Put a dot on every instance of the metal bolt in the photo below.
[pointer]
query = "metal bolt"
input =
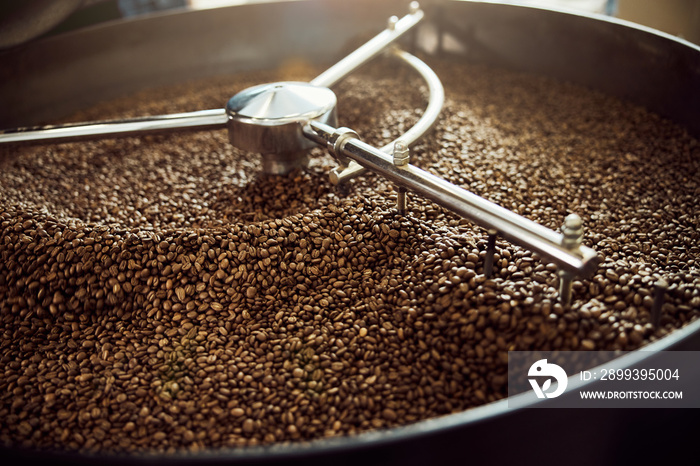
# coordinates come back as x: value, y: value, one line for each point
x: 402, y: 154
x: 391, y: 24
x: 573, y: 235
x: 572, y: 231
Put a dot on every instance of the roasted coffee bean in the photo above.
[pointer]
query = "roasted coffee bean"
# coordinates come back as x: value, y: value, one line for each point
x: 160, y: 293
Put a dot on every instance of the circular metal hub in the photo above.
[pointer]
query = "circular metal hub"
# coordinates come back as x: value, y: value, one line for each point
x: 268, y: 119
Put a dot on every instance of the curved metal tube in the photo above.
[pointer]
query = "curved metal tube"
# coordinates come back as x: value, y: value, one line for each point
x: 369, y: 50
x: 436, y: 100
x: 511, y: 226
x: 191, y: 121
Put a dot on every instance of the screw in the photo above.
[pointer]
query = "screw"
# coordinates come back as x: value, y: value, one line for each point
x: 391, y: 24
x: 413, y: 7
x: 573, y: 235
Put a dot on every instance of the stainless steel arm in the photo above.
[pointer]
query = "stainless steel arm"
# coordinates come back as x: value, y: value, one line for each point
x: 207, y: 119
x: 511, y: 226
x: 192, y: 121
x: 370, y: 49
x: 436, y: 100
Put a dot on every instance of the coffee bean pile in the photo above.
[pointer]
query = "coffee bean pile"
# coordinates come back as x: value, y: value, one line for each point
x: 160, y: 294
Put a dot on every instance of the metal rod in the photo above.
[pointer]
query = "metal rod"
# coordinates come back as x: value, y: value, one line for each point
x: 565, y: 287
x: 192, y: 121
x: 490, y: 251
x: 436, y: 100
x: 369, y: 50
x: 401, y: 200
x: 660, y: 288
x: 511, y: 226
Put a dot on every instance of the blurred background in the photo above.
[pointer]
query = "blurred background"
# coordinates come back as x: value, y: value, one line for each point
x: 23, y: 21
x: 677, y: 17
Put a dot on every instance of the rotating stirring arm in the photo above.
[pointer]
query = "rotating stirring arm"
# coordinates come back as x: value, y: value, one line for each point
x: 204, y: 120
x: 282, y: 121
x: 576, y: 260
